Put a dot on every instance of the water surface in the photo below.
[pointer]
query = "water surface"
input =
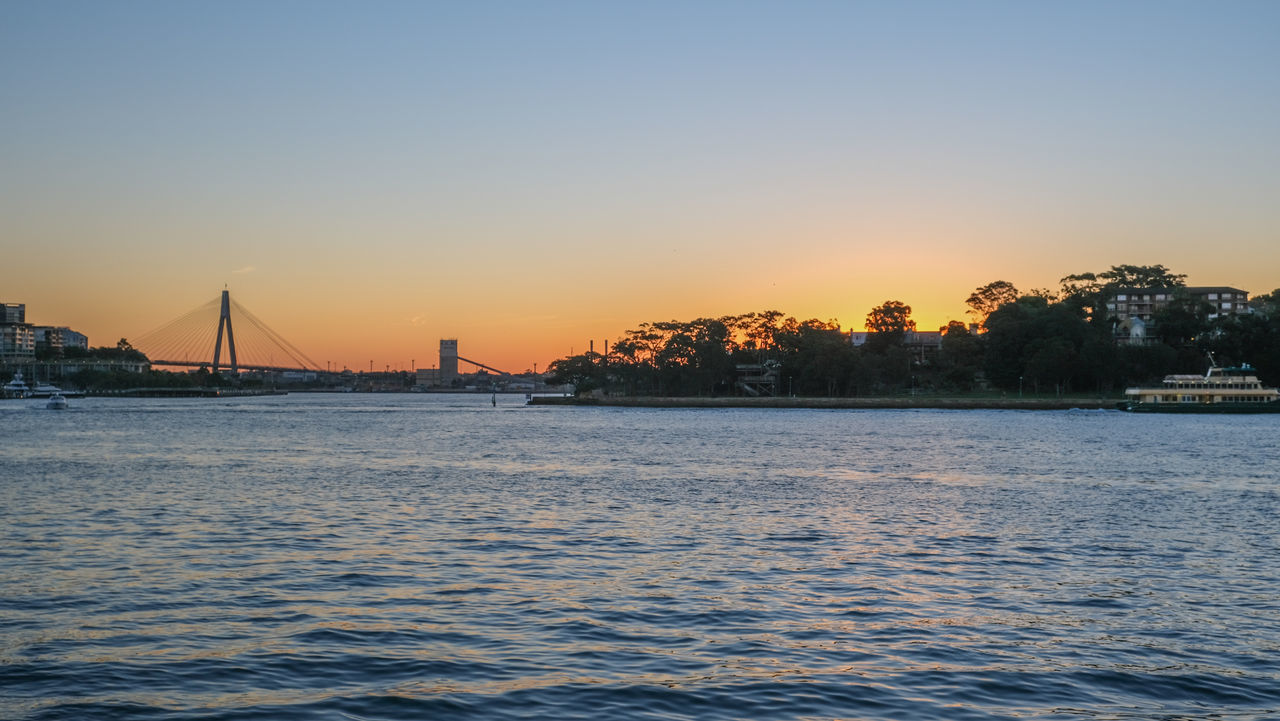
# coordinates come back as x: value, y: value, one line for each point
x: 414, y: 556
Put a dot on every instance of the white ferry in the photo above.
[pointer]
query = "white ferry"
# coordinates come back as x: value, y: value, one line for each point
x: 1221, y: 390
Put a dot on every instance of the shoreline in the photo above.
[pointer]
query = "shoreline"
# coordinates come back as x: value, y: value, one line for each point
x: 869, y: 403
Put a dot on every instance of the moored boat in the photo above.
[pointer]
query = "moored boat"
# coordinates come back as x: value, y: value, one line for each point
x: 1220, y: 390
x: 15, y: 388
x: 45, y: 390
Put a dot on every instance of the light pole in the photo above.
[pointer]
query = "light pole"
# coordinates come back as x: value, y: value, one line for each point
x: 1019, y: 386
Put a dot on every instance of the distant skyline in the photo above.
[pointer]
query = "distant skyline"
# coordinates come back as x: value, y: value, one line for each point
x: 528, y: 177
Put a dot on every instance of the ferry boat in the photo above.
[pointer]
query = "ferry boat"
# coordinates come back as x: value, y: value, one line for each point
x: 1221, y: 390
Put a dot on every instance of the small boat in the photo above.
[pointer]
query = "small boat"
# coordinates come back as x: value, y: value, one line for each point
x: 1221, y: 390
x: 56, y: 402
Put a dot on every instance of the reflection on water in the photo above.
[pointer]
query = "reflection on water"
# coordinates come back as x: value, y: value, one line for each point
x: 390, y: 557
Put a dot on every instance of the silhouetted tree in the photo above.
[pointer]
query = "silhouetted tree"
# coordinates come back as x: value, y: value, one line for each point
x: 1252, y: 339
x: 989, y: 297
x: 960, y: 358
x: 584, y: 372
x: 888, y: 323
x: 817, y: 357
x: 1142, y: 276
x: 1268, y: 304
x: 1085, y: 293
x: 1181, y: 320
x: 890, y: 317
x: 1034, y: 342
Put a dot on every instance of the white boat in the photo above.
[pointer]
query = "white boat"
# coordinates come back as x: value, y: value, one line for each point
x: 1221, y: 390
x: 56, y: 402
x: 15, y: 388
x: 45, y: 390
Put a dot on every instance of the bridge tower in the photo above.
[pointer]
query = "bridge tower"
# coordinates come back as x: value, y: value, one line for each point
x: 224, y: 319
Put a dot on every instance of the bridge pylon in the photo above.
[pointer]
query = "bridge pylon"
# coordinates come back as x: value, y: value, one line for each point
x: 224, y: 320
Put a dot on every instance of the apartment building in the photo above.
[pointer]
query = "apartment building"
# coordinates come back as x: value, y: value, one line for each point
x: 19, y: 340
x: 1133, y: 308
x: 17, y: 336
x: 59, y: 337
x: 1143, y: 303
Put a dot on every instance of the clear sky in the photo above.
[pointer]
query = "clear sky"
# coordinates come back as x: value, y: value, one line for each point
x: 526, y: 176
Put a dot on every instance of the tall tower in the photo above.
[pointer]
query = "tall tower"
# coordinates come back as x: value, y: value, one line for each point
x: 448, y: 359
x: 224, y: 319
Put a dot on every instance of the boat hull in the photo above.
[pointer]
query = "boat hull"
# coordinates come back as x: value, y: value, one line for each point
x: 1200, y: 407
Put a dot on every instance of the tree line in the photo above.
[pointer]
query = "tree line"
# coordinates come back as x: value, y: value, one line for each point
x: 117, y: 378
x: 1059, y: 341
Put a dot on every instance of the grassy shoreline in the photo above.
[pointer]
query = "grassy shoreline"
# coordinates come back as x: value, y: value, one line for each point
x: 891, y: 402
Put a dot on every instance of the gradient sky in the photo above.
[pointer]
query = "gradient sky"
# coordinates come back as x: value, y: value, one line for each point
x: 526, y: 176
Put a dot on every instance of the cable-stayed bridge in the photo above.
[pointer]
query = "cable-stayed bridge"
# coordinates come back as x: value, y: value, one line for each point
x: 200, y: 337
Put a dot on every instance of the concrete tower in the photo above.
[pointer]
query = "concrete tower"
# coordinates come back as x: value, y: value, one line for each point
x: 448, y: 360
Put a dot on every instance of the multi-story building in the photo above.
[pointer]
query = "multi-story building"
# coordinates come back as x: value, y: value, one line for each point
x: 1134, y: 308
x: 13, y: 313
x: 19, y: 340
x: 59, y: 337
x: 17, y: 336
x: 1143, y: 303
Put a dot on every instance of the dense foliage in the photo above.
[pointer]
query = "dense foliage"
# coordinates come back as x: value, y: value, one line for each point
x: 1040, y: 342
x: 113, y: 373
x: 91, y: 379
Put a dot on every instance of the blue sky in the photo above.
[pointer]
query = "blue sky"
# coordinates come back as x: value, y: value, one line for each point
x: 522, y: 175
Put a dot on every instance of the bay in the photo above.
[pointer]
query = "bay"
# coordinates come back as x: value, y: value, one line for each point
x: 426, y: 556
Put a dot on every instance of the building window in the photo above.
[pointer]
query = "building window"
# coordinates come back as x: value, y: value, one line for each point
x: 1122, y: 296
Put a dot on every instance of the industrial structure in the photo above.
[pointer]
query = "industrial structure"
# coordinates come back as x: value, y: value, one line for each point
x: 447, y: 373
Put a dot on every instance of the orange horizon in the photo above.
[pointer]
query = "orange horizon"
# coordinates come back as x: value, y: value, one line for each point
x: 399, y: 342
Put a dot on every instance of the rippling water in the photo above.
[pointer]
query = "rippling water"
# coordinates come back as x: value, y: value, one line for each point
x: 423, y: 557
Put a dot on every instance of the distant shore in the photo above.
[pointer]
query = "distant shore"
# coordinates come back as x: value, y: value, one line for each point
x: 904, y: 402
x: 197, y: 392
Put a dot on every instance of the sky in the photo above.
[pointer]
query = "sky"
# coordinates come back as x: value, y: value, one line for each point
x: 526, y: 177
